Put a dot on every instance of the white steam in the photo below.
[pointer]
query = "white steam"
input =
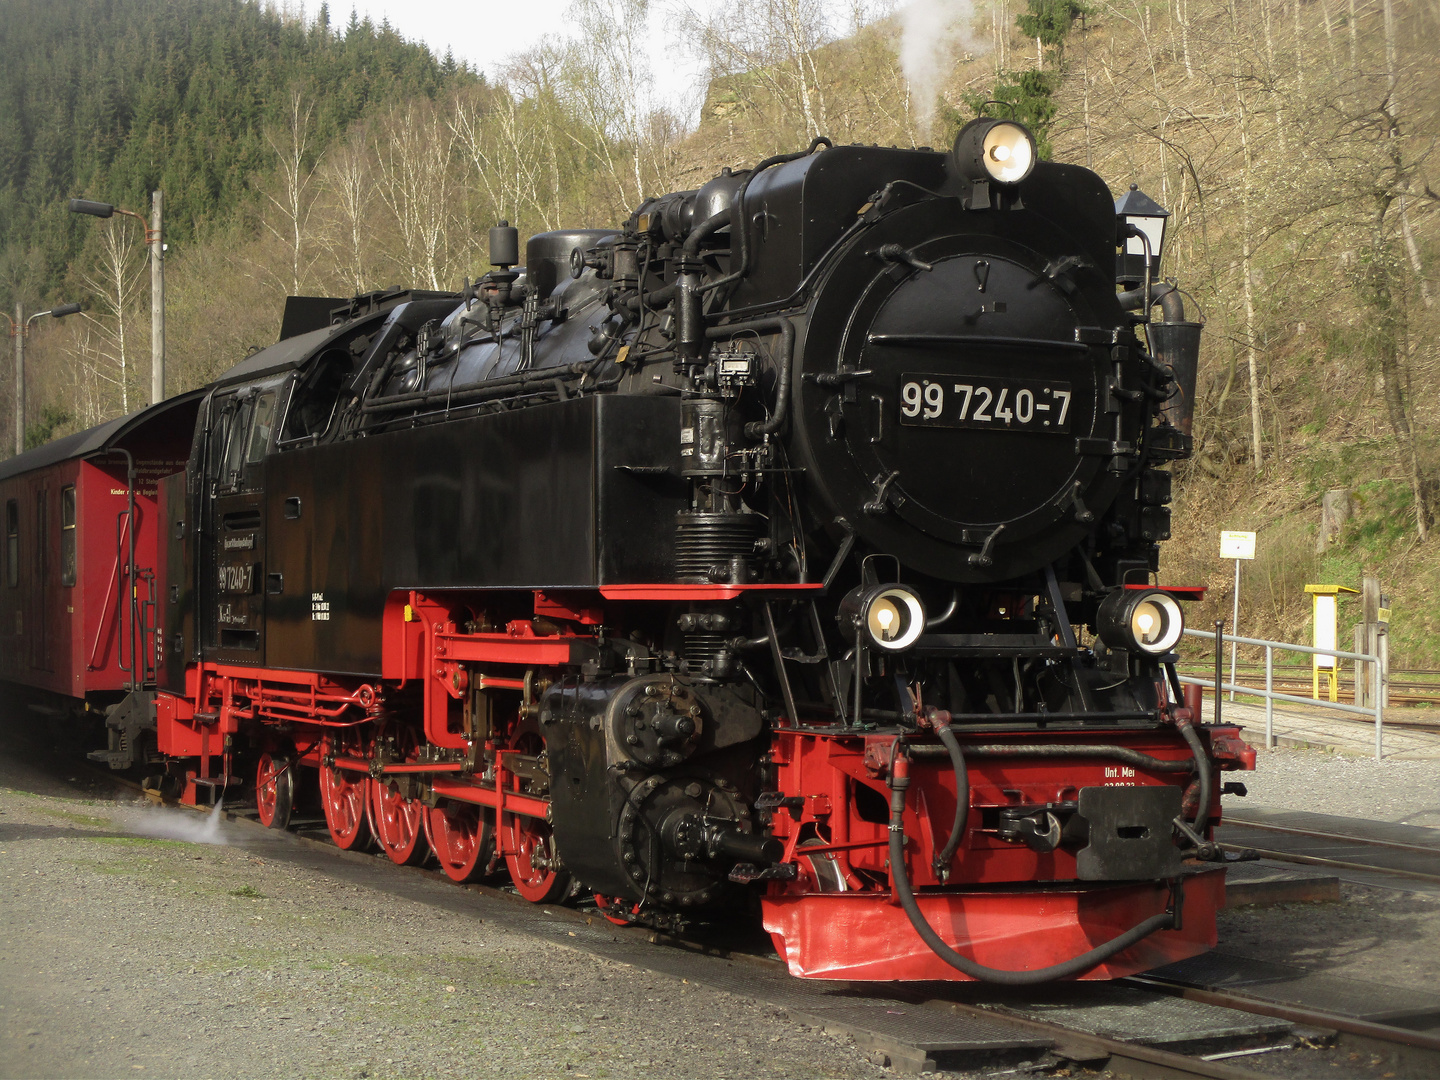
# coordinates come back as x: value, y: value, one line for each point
x: 931, y: 32
x: 169, y: 824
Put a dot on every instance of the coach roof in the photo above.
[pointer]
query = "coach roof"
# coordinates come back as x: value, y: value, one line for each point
x: 85, y: 443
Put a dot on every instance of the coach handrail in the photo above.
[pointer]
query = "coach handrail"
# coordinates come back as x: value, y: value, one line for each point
x: 1271, y: 695
x: 125, y: 527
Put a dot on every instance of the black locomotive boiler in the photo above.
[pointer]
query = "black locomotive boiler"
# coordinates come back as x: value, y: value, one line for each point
x: 790, y: 546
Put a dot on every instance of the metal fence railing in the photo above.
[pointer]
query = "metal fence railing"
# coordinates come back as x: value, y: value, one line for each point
x: 1271, y: 695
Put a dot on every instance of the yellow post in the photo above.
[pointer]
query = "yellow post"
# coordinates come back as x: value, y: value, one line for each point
x: 1325, y: 610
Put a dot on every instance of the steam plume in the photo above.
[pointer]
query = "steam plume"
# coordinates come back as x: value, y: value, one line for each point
x: 930, y: 33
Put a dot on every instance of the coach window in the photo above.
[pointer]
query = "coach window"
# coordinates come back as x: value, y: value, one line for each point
x: 41, y: 534
x: 67, y: 535
x: 12, y: 543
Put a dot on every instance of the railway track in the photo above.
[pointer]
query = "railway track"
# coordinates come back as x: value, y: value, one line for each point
x: 1403, y: 852
x: 1407, y: 1051
x: 1402, y: 691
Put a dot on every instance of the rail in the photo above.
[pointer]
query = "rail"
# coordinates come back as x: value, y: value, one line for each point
x: 1271, y: 695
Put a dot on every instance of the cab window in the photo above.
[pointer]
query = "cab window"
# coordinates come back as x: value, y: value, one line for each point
x: 229, y: 438
x: 261, y: 423
x: 223, y: 420
x: 235, y: 447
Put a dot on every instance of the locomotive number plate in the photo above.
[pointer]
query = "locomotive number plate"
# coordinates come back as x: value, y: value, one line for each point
x: 949, y: 401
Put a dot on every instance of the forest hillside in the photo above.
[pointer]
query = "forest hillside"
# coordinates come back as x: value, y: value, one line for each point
x: 1292, y: 140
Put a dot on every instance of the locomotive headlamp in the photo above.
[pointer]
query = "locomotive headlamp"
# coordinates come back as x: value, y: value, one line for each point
x: 888, y: 617
x: 1141, y: 620
x: 1000, y: 151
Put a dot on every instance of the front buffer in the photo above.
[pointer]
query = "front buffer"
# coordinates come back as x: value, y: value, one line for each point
x: 1067, y: 850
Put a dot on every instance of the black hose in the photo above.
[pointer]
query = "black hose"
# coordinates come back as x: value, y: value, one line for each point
x: 1202, y: 766
x: 782, y: 380
x: 962, y: 801
x: 704, y: 229
x: 1078, y: 965
x: 656, y: 299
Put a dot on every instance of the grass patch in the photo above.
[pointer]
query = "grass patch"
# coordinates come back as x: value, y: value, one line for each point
x: 76, y: 819
x: 114, y: 869
x: 141, y: 841
x: 248, y: 892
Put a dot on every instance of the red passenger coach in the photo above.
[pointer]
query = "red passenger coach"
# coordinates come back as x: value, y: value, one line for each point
x: 79, y: 595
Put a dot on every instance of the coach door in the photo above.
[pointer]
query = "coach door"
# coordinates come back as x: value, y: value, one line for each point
x: 232, y: 574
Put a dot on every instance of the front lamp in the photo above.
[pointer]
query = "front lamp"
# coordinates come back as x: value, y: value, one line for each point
x: 886, y: 617
x: 1140, y: 620
x: 999, y: 151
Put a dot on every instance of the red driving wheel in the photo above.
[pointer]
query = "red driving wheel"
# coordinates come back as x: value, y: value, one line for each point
x: 397, y: 823
x: 532, y: 862
x: 274, y: 790
x: 530, y: 854
x: 462, y: 836
x: 344, y: 795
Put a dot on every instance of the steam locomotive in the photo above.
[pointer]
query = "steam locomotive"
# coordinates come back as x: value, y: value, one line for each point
x: 790, y: 547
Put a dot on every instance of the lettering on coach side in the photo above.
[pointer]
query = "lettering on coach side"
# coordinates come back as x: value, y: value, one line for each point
x: 319, y: 607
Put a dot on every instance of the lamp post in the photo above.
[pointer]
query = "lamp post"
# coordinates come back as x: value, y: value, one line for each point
x: 19, y: 328
x: 157, y: 279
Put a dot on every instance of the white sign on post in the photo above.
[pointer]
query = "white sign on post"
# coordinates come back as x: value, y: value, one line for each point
x: 1237, y: 545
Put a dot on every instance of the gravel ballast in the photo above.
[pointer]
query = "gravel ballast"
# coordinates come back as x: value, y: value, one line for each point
x: 135, y: 955
x: 1405, y: 792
